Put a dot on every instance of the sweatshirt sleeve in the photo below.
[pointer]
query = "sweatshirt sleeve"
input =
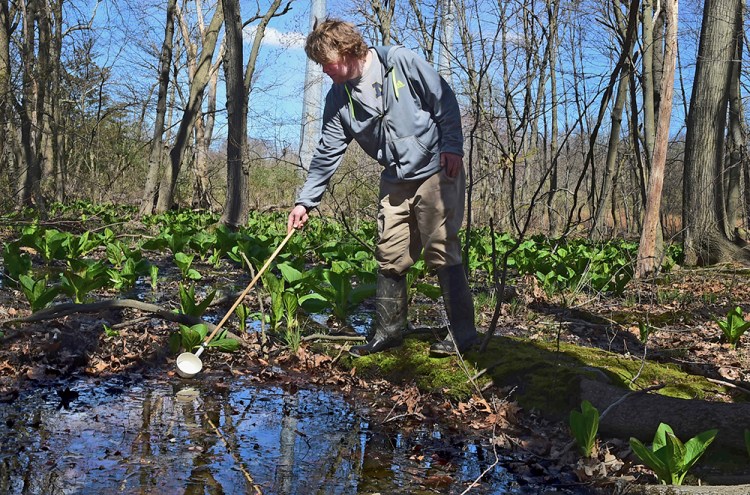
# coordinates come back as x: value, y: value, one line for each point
x: 438, y: 97
x: 327, y: 158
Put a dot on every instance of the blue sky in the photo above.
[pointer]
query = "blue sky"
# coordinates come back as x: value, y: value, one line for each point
x: 128, y: 36
x: 276, y: 101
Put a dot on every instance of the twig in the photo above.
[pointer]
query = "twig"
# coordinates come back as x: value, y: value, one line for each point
x: 628, y: 395
x: 338, y: 356
x: 129, y: 323
x: 488, y: 369
x: 728, y: 384
x: 390, y: 418
x: 236, y: 458
x: 488, y: 469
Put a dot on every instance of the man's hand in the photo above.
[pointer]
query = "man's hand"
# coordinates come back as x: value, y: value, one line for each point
x: 297, y: 218
x: 451, y: 163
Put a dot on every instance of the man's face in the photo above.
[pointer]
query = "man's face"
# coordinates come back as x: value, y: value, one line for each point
x: 342, y: 68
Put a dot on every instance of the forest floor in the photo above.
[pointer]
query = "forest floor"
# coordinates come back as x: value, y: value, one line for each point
x: 680, y: 308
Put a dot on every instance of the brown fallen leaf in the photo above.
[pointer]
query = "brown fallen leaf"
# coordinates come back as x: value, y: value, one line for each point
x: 438, y: 480
x: 36, y: 373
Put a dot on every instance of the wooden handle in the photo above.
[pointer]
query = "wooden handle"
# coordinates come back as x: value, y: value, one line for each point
x: 250, y: 286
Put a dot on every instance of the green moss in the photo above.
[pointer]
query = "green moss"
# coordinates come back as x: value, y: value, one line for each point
x: 547, y: 376
x: 544, y: 376
x: 411, y: 363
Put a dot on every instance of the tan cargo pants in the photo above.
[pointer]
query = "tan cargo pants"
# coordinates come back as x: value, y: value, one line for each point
x: 413, y: 216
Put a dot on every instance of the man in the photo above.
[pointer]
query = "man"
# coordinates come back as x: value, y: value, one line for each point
x: 405, y: 116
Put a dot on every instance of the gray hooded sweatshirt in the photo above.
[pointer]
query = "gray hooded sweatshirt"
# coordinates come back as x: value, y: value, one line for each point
x: 420, y: 120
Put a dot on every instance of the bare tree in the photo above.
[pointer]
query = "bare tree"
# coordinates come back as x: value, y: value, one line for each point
x: 35, y: 50
x: 630, y: 34
x: 235, y: 212
x: 200, y: 78
x: 204, y: 128
x: 553, y: 11
x: 156, y: 156
x: 382, y: 15
x: 621, y: 94
x: 311, y: 98
x: 238, y: 94
x: 5, y: 90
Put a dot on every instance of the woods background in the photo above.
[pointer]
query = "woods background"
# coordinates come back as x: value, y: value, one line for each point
x: 582, y: 118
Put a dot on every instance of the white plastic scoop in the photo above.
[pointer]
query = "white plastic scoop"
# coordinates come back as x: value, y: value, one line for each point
x: 189, y: 364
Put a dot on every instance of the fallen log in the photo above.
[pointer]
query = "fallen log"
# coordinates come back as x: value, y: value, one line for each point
x: 65, y: 309
x: 639, y: 415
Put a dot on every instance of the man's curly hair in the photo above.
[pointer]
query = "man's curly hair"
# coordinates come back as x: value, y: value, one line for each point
x: 334, y: 38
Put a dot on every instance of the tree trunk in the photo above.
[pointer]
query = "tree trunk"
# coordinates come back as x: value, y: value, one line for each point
x: 311, y: 100
x: 156, y: 157
x: 235, y: 211
x: 648, y: 82
x: 653, y: 67
x: 445, y: 54
x: 55, y: 117
x: 238, y: 94
x: 204, y: 126
x: 553, y: 10
x: 426, y: 33
x: 192, y: 109
x: 383, y: 15
x: 706, y: 242
x: 630, y: 33
x: 649, y: 254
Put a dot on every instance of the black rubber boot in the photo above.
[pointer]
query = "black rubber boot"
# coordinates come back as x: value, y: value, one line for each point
x: 459, y: 305
x: 390, y: 316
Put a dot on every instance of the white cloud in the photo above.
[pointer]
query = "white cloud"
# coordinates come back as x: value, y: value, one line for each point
x: 274, y: 37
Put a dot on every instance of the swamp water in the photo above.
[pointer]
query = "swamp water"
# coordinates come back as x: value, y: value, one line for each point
x: 195, y: 437
x: 129, y: 435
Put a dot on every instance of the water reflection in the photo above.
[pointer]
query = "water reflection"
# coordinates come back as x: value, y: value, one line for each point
x: 196, y: 437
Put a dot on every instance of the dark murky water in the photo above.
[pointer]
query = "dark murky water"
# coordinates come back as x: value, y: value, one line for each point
x: 195, y: 437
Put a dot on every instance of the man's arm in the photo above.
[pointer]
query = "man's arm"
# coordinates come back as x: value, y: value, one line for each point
x: 327, y: 158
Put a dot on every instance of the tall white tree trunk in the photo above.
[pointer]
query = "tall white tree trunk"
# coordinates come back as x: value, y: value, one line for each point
x: 446, y: 39
x: 311, y: 98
